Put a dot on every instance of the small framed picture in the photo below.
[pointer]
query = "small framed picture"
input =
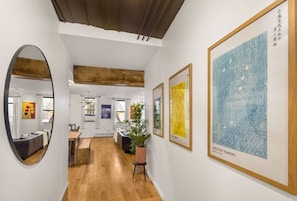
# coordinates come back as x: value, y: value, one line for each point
x: 158, y: 110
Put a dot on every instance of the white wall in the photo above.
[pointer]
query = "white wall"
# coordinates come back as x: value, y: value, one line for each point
x: 35, y: 22
x: 180, y: 174
x: 75, y: 109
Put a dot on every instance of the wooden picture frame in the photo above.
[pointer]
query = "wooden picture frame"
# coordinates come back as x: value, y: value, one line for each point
x: 180, y: 107
x: 252, y: 81
x: 158, y: 110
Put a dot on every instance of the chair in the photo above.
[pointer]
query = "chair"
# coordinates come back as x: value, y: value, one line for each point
x: 140, y: 164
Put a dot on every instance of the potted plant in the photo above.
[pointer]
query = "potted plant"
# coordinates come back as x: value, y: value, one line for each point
x: 138, y: 132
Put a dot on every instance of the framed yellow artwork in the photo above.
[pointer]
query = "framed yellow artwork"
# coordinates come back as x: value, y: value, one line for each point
x: 28, y: 110
x: 180, y: 107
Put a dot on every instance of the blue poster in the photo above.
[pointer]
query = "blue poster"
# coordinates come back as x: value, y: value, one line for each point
x: 105, y: 111
x: 239, y: 94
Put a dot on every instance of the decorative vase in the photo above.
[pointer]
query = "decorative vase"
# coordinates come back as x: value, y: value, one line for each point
x: 140, y: 154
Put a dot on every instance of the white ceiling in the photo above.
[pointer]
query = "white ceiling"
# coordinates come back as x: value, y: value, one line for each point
x: 19, y: 85
x: 90, y: 46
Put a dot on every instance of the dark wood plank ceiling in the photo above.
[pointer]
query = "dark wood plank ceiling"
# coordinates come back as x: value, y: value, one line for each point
x: 146, y: 18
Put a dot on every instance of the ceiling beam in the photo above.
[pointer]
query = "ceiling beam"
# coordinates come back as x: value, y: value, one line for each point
x: 31, y: 68
x: 107, y: 76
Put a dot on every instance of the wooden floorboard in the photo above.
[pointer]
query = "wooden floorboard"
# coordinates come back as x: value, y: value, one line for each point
x: 108, y: 176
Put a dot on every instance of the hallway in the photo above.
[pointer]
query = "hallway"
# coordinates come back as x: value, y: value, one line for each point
x: 108, y: 177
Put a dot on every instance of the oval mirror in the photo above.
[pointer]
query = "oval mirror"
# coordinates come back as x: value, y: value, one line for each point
x: 29, y: 104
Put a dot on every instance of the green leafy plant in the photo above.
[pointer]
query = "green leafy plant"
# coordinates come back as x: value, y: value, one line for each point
x: 138, y: 126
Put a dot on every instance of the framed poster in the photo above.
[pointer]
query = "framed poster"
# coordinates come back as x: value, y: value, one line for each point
x: 251, y: 97
x: 180, y: 107
x: 105, y: 111
x: 28, y: 110
x: 158, y: 110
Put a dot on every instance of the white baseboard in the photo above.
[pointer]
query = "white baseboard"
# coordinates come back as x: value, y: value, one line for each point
x: 63, y: 192
x: 103, y: 134
x: 155, y: 185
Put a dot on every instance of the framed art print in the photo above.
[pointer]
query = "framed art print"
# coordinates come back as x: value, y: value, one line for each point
x: 105, y: 111
x: 252, y: 99
x: 28, y: 110
x: 158, y: 110
x: 180, y: 107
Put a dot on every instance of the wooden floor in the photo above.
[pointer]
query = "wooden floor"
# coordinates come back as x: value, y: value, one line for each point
x: 108, y: 177
x: 35, y: 157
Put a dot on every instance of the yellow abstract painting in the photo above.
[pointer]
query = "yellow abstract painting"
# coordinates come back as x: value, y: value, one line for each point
x: 178, y: 126
x: 180, y: 107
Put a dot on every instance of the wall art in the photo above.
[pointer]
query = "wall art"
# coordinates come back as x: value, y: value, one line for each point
x: 158, y: 110
x: 105, y: 111
x: 251, y: 97
x: 28, y: 110
x: 180, y: 107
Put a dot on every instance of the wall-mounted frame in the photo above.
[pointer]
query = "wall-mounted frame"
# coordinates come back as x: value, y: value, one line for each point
x: 105, y: 111
x: 28, y: 110
x: 158, y: 110
x: 252, y: 100
x: 180, y: 107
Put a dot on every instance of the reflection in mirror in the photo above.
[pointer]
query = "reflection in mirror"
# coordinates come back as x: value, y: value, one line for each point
x: 29, y: 104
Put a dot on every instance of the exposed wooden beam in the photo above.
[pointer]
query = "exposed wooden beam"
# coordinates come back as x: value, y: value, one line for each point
x: 31, y: 68
x: 107, y: 76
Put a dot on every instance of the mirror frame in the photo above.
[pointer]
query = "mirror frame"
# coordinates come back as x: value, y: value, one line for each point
x: 5, y: 105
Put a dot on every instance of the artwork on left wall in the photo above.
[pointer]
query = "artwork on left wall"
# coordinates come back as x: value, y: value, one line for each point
x: 28, y: 110
x: 105, y: 111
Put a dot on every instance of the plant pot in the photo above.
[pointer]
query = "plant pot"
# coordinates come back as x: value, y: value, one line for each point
x: 140, y: 154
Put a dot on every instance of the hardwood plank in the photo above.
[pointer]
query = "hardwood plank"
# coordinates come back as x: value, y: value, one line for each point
x: 36, y: 156
x: 108, y: 177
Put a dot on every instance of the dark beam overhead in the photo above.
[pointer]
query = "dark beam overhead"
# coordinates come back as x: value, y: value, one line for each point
x: 147, y: 18
x: 107, y: 76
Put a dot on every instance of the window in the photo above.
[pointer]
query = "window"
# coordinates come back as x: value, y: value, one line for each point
x: 120, y: 111
x: 47, y: 113
x: 89, y: 107
x: 11, y: 112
